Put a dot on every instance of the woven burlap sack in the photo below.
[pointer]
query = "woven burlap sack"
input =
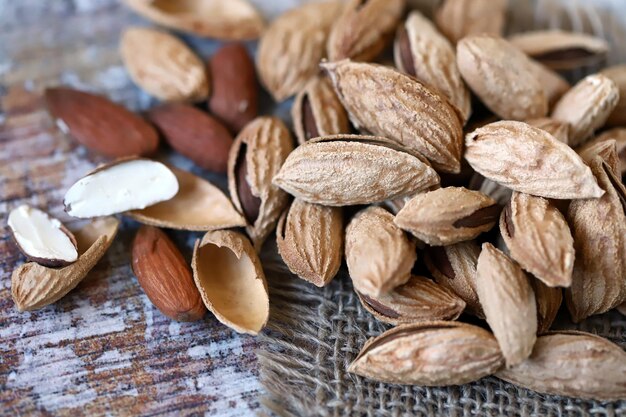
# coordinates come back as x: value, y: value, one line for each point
x: 315, y: 333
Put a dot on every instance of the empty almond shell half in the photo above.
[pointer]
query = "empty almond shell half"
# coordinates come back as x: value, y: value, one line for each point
x: 122, y: 185
x: 199, y: 205
x: 229, y: 276
x: 34, y: 286
x: 41, y: 238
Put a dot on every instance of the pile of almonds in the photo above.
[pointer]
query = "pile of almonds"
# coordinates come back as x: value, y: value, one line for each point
x: 470, y: 153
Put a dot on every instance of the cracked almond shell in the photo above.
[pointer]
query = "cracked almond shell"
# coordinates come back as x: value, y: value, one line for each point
x: 529, y: 160
x: 574, y: 364
x: 292, y: 47
x: 198, y: 205
x: 435, y: 353
x: 561, y: 50
x: 419, y: 299
x: 34, y: 286
x: 230, y: 278
x: 619, y: 135
x: 508, y: 302
x: 345, y: 170
x: 539, y: 239
x: 163, y: 65
x: 255, y: 158
x: 502, y: 77
x: 424, y: 53
x: 448, y: 215
x: 586, y: 107
x: 317, y: 111
x: 364, y: 28
x: 309, y: 238
x: 388, y: 103
x: 379, y: 255
x: 219, y: 19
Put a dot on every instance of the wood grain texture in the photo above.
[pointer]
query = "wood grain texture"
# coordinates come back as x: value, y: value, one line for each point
x: 103, y: 349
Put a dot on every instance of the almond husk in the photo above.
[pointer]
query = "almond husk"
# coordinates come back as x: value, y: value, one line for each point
x: 429, y: 354
x: 539, y: 239
x: 586, y: 107
x: 419, y: 299
x: 421, y: 51
x: 363, y: 29
x: 227, y: 20
x: 230, y: 278
x: 262, y: 146
x: 379, y: 255
x: 163, y: 65
x: 485, y: 62
x: 574, y: 364
x: 561, y: 50
x: 309, y: 238
x: 454, y: 267
x: 529, y: 160
x: 292, y: 47
x: 508, y: 302
x: 317, y: 111
x: 345, y: 170
x: 388, y: 103
x: 599, y: 230
x: 34, y: 286
x: 448, y: 215
x: 198, y: 205
x: 460, y: 18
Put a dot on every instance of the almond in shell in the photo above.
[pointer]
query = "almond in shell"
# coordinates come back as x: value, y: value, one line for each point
x: 460, y: 18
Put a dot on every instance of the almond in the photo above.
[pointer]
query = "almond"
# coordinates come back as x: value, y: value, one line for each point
x: 234, y: 91
x: 163, y: 65
x: 194, y: 134
x: 460, y: 18
x: 99, y: 124
x: 165, y: 276
x: 617, y: 73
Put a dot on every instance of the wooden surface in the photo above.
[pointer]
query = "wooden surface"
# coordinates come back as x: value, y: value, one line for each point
x: 103, y: 349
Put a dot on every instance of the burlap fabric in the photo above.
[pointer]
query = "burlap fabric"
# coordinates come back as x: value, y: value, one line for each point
x: 315, y: 333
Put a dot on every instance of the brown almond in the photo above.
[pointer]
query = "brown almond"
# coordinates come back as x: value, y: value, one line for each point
x: 549, y: 301
x: 509, y: 303
x: 419, y: 299
x: 435, y: 353
x: 228, y: 20
x: 460, y: 18
x: 379, y: 255
x: 557, y: 128
x: 317, y: 111
x: 194, y: 134
x: 230, y: 278
x: 574, y: 364
x: 561, y: 50
x: 454, y: 267
x: 163, y: 65
x: 309, y: 238
x: 255, y: 158
x: 292, y: 47
x: 400, y: 108
x: 486, y: 64
x: 539, y: 239
x: 344, y: 170
x: 448, y: 215
x: 99, y: 124
x: 586, y: 107
x: 234, y: 91
x: 34, y: 286
x: 165, y: 276
x: 363, y: 29
x: 538, y: 164
x: 553, y: 84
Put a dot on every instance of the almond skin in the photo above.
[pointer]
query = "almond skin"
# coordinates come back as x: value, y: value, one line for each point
x: 234, y: 97
x: 194, y: 134
x: 99, y: 124
x: 165, y: 276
